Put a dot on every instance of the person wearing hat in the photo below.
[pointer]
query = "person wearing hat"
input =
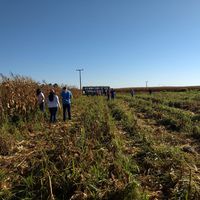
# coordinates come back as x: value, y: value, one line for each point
x: 53, y: 105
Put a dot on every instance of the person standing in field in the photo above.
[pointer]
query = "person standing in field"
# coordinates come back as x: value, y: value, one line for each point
x: 66, y: 102
x: 112, y: 94
x: 53, y: 105
x: 132, y: 92
x: 41, y: 99
x: 108, y: 94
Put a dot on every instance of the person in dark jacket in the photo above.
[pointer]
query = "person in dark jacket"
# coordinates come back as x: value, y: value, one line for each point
x: 132, y: 92
x: 108, y: 94
x: 112, y: 92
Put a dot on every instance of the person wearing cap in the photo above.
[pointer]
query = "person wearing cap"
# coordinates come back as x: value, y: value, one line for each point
x: 66, y: 102
x: 53, y: 105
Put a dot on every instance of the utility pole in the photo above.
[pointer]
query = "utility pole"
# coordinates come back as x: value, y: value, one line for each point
x: 146, y: 84
x: 80, y: 70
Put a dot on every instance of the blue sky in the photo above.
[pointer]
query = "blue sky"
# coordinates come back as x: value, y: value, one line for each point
x: 121, y: 43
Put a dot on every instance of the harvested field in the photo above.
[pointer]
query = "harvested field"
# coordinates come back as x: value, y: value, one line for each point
x: 141, y: 147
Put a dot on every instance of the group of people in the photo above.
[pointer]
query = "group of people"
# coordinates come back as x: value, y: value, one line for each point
x: 53, y: 103
x: 111, y: 94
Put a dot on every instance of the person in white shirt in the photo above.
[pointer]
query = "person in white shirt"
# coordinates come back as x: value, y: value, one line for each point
x: 53, y: 105
x: 41, y: 99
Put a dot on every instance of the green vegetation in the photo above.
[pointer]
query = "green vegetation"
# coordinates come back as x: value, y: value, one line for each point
x: 140, y: 148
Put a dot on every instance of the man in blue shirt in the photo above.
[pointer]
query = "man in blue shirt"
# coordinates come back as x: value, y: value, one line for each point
x: 66, y: 101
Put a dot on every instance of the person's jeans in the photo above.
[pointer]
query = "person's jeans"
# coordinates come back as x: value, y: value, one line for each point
x: 42, y: 106
x: 53, y: 112
x: 66, y: 108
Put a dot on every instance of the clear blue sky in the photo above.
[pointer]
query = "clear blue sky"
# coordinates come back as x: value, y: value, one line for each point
x: 119, y: 43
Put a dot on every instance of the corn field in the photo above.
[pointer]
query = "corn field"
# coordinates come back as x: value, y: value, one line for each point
x: 18, y: 96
